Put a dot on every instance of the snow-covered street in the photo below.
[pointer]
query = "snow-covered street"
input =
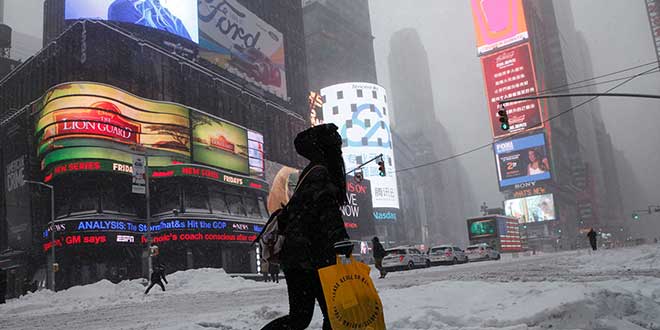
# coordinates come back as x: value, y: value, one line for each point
x: 612, y: 289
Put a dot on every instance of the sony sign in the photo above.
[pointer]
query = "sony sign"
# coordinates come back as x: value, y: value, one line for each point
x: 15, y: 174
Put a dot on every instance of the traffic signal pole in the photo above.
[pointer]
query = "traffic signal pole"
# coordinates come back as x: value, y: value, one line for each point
x: 553, y: 96
x: 379, y: 157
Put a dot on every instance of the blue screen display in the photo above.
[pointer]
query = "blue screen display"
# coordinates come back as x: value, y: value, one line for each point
x: 178, y: 17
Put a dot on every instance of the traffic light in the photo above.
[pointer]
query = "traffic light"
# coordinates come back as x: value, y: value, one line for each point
x: 504, y: 119
x: 635, y: 216
x: 381, y: 167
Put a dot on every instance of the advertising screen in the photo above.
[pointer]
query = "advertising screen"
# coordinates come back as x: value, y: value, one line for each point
x: 178, y: 17
x: 256, y: 154
x: 522, y: 160
x: 653, y: 10
x: 510, y: 74
x: 315, y: 108
x: 531, y: 209
x: 360, y: 111
x: 498, y: 23
x: 220, y: 144
x: 236, y: 39
x: 91, y: 232
x: 95, y: 121
x: 482, y: 228
x: 84, y: 123
x: 357, y: 214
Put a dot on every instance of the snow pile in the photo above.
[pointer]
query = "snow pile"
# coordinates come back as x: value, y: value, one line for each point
x: 105, y: 293
x: 615, y: 289
x: 516, y: 306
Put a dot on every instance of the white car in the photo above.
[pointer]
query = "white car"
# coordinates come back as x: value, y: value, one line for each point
x: 481, y: 252
x: 405, y: 257
x: 447, y: 254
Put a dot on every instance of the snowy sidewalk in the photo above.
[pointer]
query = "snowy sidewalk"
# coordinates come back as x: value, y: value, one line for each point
x: 613, y: 289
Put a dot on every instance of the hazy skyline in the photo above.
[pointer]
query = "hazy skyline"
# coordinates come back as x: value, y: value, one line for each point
x: 446, y: 30
x: 448, y: 35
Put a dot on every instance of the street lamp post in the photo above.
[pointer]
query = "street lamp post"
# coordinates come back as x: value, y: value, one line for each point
x: 52, y: 230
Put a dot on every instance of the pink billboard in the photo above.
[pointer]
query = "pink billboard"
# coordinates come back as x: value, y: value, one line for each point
x: 498, y: 24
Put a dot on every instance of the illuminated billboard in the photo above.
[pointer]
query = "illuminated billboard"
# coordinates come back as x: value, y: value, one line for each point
x: 219, y: 143
x: 532, y: 208
x: 510, y: 74
x: 522, y: 160
x: 653, y: 10
x: 236, y: 39
x: 498, y: 24
x: 360, y: 111
x: 482, y: 228
x: 85, y: 122
x: 315, y: 101
x: 95, y: 121
x: 178, y: 17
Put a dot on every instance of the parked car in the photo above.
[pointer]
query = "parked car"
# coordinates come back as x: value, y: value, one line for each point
x: 405, y: 257
x: 478, y: 252
x: 447, y: 254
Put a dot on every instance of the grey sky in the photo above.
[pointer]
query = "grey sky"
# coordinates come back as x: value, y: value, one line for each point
x: 25, y: 16
x: 617, y: 33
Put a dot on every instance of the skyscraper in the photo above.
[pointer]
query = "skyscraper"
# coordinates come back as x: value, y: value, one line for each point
x: 440, y: 199
x: 338, y: 42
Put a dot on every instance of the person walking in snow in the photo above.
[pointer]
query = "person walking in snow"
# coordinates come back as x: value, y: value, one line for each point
x: 3, y: 285
x: 592, y: 239
x: 156, y: 276
x: 274, y: 270
x: 312, y: 226
x: 265, y: 265
x: 379, y: 254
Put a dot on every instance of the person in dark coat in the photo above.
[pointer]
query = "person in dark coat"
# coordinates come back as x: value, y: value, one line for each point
x: 274, y: 270
x: 592, y: 239
x: 156, y: 276
x: 379, y: 254
x: 3, y: 285
x: 312, y: 224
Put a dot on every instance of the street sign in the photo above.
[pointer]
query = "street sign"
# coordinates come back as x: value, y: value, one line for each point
x: 139, y: 174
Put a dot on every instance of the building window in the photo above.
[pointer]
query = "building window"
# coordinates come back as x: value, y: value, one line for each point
x: 385, y: 111
x: 323, y: 98
x: 335, y: 110
x: 358, y: 160
x: 196, y: 199
x: 365, y: 141
x: 374, y: 94
x: 353, y: 107
x: 340, y: 95
x: 367, y: 123
x: 380, y: 142
x: 372, y: 108
x: 236, y: 206
x: 218, y: 203
x: 349, y: 124
x: 359, y: 93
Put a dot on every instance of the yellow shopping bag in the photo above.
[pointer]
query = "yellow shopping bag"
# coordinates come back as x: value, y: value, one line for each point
x: 352, y: 299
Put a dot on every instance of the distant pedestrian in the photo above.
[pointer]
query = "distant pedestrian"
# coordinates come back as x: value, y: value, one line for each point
x: 379, y: 254
x: 274, y: 270
x: 592, y: 239
x: 3, y: 285
x: 156, y: 276
x: 264, y: 270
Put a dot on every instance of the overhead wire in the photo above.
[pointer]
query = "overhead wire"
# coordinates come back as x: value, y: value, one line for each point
x: 488, y: 145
